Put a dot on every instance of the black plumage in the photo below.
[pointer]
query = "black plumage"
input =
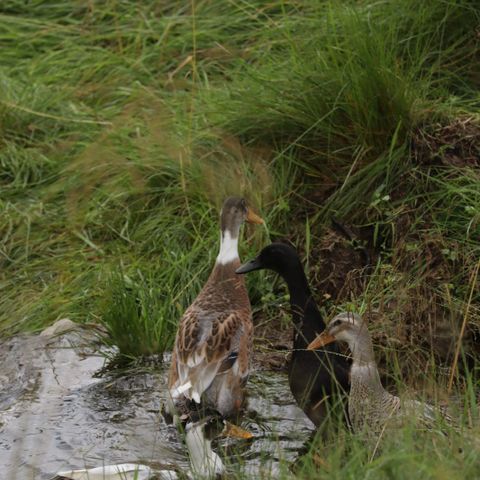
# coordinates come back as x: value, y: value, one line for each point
x: 318, y: 379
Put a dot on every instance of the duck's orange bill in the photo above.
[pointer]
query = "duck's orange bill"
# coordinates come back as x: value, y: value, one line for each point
x: 233, y: 431
x: 323, y: 339
x: 252, y: 217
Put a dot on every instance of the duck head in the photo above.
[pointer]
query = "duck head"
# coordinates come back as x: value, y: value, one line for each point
x: 278, y: 257
x: 235, y: 212
x: 347, y: 327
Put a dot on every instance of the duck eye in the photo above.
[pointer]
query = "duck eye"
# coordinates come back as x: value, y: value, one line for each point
x: 337, y: 323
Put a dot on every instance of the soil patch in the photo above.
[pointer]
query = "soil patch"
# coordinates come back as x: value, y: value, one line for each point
x: 272, y: 343
x: 454, y: 144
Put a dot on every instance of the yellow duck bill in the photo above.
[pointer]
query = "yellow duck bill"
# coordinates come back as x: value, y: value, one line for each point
x: 252, y: 217
x: 323, y: 339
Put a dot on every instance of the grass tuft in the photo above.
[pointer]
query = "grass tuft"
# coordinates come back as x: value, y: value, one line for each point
x: 136, y: 315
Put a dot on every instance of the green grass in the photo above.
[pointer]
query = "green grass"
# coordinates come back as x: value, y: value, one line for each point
x: 446, y: 451
x: 405, y: 454
x: 138, y: 318
x: 123, y: 127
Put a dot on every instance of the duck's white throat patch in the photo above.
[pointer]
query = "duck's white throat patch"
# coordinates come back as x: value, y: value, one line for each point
x: 228, y: 248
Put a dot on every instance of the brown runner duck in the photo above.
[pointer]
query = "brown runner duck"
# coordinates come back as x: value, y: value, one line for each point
x: 210, y: 359
x: 370, y: 406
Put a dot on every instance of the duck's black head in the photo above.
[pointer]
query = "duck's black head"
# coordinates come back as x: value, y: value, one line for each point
x: 279, y: 257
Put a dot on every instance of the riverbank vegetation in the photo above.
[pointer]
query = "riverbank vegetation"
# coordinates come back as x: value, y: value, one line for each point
x: 124, y: 125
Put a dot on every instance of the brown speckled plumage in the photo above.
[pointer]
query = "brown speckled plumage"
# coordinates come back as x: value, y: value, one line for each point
x: 210, y: 361
x: 223, y: 307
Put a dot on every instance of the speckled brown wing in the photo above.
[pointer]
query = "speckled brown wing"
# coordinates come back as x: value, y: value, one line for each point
x: 206, y: 344
x: 226, y: 336
x: 188, y: 342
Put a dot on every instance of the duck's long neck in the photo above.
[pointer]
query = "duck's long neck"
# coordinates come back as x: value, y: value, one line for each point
x: 306, y: 317
x: 361, y: 347
x: 223, y: 277
x: 364, y: 371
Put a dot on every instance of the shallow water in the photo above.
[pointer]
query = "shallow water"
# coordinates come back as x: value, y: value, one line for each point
x: 56, y: 415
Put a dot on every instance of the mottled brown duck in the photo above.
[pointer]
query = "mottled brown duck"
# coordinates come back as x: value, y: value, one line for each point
x: 210, y: 360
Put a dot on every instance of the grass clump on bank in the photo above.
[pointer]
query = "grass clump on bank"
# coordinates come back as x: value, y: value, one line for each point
x: 404, y: 454
x: 137, y: 316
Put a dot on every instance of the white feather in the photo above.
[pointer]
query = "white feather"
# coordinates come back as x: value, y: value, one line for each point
x: 195, y: 359
x: 182, y: 388
x: 204, y: 377
x: 199, y: 379
x: 183, y: 376
x: 228, y: 248
x: 195, y: 396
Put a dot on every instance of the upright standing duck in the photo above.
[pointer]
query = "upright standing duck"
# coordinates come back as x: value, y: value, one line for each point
x: 314, y: 377
x: 210, y: 360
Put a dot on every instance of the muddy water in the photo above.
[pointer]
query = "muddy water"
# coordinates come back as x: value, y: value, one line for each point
x: 56, y: 415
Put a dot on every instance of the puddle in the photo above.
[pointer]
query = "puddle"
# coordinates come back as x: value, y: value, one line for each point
x: 55, y: 415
